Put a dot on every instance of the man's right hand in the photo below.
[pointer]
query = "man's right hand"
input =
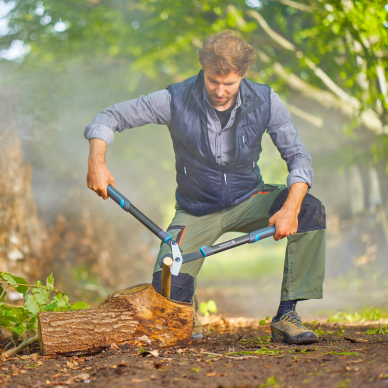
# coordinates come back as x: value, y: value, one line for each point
x: 98, y: 176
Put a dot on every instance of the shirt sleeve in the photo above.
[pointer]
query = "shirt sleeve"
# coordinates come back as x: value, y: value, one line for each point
x: 286, y: 138
x: 151, y: 109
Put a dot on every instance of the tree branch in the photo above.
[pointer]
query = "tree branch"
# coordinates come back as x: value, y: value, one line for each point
x: 368, y: 118
x: 314, y: 120
x: 19, y: 348
x: 284, y: 43
x: 294, y: 4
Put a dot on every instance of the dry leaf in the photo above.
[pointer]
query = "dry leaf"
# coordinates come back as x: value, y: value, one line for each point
x: 150, y: 353
x: 139, y: 380
x: 56, y: 375
x: 113, y: 346
x: 211, y: 374
x: 71, y: 365
x: 82, y: 376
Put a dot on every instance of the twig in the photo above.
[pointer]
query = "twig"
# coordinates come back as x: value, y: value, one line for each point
x: 222, y: 355
x: 294, y: 4
x: 19, y: 348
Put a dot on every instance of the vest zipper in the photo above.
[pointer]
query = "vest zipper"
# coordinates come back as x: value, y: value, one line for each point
x: 225, y: 185
x: 184, y: 168
x: 243, y: 139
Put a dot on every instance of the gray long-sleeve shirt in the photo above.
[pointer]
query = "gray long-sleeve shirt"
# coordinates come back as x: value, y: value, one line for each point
x: 155, y: 109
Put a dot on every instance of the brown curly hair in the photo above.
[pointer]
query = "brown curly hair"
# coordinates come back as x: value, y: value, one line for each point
x: 225, y: 52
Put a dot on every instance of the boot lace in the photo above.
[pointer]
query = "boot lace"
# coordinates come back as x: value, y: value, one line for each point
x: 293, y: 317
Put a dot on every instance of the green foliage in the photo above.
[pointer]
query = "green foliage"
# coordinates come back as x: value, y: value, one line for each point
x: 343, y: 353
x: 366, y: 314
x: 160, y: 39
x: 37, y: 298
x: 271, y: 382
x: 379, y: 330
x: 206, y: 307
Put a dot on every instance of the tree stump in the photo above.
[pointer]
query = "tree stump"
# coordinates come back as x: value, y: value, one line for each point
x: 137, y: 315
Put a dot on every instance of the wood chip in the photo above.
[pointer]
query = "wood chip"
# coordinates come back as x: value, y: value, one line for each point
x: 355, y: 340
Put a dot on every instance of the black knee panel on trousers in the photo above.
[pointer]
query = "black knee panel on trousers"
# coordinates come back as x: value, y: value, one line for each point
x: 182, y: 286
x: 312, y: 214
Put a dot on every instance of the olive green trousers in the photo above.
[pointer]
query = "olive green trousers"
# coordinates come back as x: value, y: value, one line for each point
x: 304, y: 264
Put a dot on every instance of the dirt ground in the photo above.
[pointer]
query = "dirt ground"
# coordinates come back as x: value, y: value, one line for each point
x: 236, y: 352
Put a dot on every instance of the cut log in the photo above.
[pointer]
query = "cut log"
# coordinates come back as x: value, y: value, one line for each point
x: 137, y: 315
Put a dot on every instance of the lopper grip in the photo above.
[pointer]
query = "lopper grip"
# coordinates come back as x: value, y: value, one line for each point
x: 262, y: 233
x: 118, y: 198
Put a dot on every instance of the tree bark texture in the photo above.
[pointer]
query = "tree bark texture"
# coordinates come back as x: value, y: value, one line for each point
x: 25, y: 248
x: 137, y: 315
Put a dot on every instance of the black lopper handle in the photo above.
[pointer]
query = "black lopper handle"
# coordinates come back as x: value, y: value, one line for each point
x: 128, y: 207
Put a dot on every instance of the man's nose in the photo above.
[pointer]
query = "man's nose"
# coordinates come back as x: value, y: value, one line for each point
x: 220, y: 91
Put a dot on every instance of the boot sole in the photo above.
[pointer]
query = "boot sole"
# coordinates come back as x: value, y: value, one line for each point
x: 278, y: 336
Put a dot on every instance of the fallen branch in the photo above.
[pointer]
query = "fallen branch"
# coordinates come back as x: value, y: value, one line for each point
x: 19, y: 348
x: 222, y: 355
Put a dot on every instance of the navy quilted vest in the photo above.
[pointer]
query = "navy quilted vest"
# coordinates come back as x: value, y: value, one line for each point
x: 203, y: 187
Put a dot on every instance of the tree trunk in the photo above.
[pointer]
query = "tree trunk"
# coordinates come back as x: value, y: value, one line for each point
x: 137, y: 315
x: 25, y: 248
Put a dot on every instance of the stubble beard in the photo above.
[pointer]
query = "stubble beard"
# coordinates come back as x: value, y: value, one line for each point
x: 219, y: 103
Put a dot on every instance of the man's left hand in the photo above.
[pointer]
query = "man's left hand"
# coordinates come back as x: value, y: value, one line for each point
x: 286, y: 222
x: 286, y: 219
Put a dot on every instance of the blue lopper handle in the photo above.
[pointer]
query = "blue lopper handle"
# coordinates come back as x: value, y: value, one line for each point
x: 262, y: 233
x: 118, y: 198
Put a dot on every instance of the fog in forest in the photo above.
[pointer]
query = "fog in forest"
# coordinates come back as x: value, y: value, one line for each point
x: 94, y: 248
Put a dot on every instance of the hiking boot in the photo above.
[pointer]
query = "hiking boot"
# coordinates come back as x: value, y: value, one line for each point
x: 289, y: 329
x: 198, y: 331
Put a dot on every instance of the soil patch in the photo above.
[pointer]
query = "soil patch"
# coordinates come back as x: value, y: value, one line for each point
x: 236, y: 352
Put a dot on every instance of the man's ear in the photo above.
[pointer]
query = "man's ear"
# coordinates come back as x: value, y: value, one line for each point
x: 245, y: 73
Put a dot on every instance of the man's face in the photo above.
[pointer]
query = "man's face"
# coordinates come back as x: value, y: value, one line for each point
x: 222, y: 89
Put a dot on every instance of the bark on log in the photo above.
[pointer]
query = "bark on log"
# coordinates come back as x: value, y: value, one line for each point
x: 137, y: 315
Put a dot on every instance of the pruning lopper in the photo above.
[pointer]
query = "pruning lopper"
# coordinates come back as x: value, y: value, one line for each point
x: 176, y: 252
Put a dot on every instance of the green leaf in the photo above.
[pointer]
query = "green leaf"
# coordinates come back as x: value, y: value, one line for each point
x: 212, y: 307
x: 203, y: 309
x: 62, y: 302
x: 50, y: 307
x: 42, y: 296
x: 50, y: 282
x: 262, y: 322
x: 15, y: 280
x: 31, y: 305
x: 20, y: 328
x: 5, y: 321
x: 80, y: 306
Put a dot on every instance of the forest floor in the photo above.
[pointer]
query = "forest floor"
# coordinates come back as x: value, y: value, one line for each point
x: 236, y: 352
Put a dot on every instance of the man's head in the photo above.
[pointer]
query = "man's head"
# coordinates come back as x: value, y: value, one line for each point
x: 225, y: 59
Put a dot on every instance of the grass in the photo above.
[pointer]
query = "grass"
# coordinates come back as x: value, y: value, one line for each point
x: 343, y: 353
x: 379, y: 330
x: 366, y: 314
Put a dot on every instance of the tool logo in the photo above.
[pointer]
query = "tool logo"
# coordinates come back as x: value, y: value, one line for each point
x: 231, y: 242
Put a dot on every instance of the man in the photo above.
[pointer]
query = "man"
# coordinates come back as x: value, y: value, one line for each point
x: 216, y: 121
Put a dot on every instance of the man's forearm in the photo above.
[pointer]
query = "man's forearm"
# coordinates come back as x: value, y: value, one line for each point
x: 98, y: 176
x: 295, y: 197
x: 97, y: 151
